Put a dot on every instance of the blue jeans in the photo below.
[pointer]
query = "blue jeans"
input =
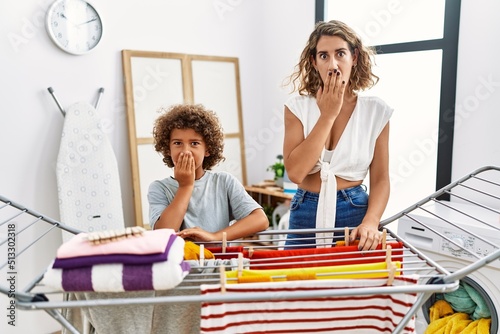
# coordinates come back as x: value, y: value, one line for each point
x: 352, y: 204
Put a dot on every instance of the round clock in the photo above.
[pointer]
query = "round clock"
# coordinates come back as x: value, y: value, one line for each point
x: 74, y: 26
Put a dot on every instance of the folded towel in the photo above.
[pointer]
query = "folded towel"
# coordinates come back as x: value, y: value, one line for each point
x: 117, y: 277
x: 149, y: 242
x: 372, y: 270
x: 173, y: 252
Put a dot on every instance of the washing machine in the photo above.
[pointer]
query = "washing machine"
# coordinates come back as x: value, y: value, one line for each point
x: 449, y: 223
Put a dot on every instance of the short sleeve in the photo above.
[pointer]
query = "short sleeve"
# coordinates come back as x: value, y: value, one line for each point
x: 240, y: 202
x: 157, y: 200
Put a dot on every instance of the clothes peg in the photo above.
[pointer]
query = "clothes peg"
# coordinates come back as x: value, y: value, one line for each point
x: 202, y: 255
x: 222, y: 271
x: 346, y: 236
x: 240, y: 264
x: 390, y: 266
x: 224, y: 242
x: 384, y: 238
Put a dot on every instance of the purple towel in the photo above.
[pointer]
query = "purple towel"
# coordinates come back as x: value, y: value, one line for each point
x: 129, y: 259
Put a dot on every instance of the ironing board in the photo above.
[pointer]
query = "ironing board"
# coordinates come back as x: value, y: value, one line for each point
x: 88, y: 181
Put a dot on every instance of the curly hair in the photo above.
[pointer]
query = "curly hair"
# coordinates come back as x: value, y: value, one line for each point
x: 306, y: 80
x: 187, y: 116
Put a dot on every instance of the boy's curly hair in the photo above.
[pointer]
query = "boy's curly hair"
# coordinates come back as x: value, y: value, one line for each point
x: 188, y: 116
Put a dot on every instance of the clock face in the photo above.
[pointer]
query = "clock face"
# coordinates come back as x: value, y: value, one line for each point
x: 74, y: 25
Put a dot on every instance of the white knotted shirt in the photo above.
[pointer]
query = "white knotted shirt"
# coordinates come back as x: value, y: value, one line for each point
x: 352, y: 156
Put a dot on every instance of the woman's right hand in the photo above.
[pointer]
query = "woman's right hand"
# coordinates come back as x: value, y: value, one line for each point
x: 184, y: 170
x: 330, y: 97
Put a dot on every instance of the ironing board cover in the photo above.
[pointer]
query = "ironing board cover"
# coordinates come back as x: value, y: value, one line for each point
x: 88, y: 181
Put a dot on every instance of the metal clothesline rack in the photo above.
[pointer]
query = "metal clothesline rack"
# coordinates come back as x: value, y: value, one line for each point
x: 480, y: 190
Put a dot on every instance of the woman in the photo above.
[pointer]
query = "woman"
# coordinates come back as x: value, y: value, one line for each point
x: 333, y: 138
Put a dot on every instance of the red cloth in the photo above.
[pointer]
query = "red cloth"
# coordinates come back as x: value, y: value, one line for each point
x: 341, y: 255
x: 232, y: 252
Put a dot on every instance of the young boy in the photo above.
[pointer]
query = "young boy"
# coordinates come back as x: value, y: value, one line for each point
x: 197, y: 202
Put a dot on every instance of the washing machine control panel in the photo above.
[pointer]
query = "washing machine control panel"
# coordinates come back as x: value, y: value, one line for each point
x: 466, y: 246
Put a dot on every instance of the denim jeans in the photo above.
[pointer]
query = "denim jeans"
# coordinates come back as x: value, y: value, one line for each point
x: 352, y: 204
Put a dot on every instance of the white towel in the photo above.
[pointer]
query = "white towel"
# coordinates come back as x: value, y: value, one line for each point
x: 88, y: 181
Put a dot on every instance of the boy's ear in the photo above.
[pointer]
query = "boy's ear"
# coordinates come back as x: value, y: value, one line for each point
x: 207, y: 154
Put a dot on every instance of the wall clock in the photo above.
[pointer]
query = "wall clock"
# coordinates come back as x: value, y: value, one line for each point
x: 74, y: 26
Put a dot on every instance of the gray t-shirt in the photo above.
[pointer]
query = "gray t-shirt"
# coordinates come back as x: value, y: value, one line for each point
x: 217, y: 199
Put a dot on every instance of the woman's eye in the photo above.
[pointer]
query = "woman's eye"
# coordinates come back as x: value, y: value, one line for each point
x: 322, y: 56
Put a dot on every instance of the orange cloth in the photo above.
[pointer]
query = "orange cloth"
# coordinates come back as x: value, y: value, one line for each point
x: 192, y: 251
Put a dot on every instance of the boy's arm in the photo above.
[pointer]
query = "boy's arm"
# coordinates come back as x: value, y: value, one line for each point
x: 255, y: 222
x: 174, y: 213
x: 184, y: 173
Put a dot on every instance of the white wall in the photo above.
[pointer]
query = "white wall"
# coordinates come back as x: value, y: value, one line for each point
x: 477, y: 114
x: 267, y: 37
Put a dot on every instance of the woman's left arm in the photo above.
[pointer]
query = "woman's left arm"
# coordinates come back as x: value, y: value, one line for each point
x: 367, y: 231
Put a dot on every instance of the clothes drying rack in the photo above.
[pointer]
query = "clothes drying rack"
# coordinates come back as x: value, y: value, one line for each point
x: 479, y: 189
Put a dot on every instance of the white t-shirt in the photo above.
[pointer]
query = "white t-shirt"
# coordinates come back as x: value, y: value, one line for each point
x: 351, y: 158
x: 217, y: 199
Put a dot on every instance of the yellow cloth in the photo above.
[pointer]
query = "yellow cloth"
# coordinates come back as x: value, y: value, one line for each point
x: 342, y: 243
x: 480, y: 326
x: 452, y: 324
x: 444, y: 321
x: 351, y: 271
x: 440, y: 309
x: 192, y: 251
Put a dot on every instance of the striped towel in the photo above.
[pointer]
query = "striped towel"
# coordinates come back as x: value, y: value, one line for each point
x: 117, y: 277
x: 376, y: 313
x: 96, y: 273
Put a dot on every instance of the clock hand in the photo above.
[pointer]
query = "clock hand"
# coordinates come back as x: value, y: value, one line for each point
x: 95, y: 18
x: 65, y: 17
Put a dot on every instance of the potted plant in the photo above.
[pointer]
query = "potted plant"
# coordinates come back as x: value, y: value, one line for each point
x: 279, y: 170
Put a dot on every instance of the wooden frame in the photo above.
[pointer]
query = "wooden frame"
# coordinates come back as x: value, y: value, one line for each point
x: 158, y: 79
